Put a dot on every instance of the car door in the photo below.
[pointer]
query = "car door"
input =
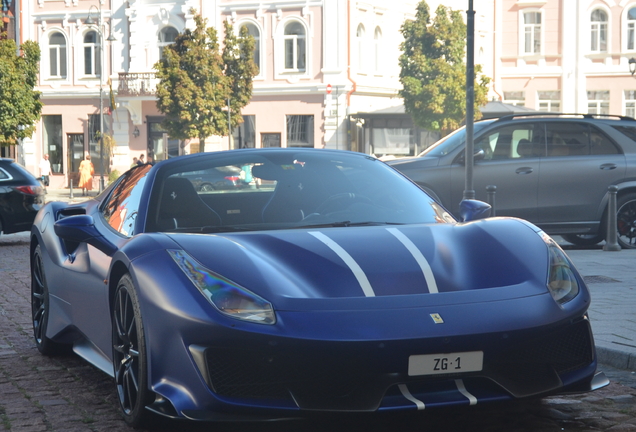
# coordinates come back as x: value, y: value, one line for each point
x: 581, y: 163
x: 509, y: 158
x: 114, y: 219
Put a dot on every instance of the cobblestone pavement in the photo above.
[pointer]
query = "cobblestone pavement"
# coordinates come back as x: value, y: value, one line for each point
x: 64, y: 393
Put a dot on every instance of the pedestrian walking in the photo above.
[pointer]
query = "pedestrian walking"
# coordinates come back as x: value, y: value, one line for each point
x: 45, y: 171
x: 86, y: 170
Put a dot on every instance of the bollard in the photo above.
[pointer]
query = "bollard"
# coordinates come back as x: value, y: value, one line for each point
x: 71, y: 189
x: 491, y: 189
x: 611, y: 240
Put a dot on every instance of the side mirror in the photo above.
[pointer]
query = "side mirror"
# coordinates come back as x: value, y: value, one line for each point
x: 470, y: 210
x: 478, y: 155
x: 81, y: 229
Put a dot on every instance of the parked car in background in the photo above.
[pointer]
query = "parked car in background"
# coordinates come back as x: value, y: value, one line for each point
x: 553, y: 170
x: 21, y: 197
x: 336, y: 286
x: 220, y: 178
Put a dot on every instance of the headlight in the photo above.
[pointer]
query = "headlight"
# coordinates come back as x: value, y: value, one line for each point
x: 562, y: 283
x: 227, y: 297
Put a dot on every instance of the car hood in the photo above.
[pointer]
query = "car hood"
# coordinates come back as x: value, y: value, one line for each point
x: 414, y: 162
x: 489, y: 260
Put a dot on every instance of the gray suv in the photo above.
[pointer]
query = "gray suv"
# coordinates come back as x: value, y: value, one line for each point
x: 552, y: 169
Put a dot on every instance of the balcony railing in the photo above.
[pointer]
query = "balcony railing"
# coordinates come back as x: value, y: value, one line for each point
x: 137, y: 84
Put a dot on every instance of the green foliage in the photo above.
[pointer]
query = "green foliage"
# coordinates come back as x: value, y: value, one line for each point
x: 20, y: 105
x: 239, y: 69
x: 196, y: 80
x: 113, y: 175
x: 433, y: 71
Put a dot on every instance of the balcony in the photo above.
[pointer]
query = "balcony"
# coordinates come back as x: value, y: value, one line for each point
x: 137, y: 84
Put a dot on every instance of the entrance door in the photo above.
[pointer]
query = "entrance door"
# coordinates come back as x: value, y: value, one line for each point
x: 75, y: 154
x: 160, y: 145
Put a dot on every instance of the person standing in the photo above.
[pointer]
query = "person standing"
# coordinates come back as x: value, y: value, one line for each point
x: 86, y: 170
x: 45, y: 171
x: 141, y: 160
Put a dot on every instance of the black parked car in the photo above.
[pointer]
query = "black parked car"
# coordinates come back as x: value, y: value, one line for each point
x: 552, y: 169
x: 21, y: 196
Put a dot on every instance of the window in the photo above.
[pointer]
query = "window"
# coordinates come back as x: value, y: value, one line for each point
x: 512, y: 142
x: 549, y: 101
x: 377, y: 49
x: 598, y: 31
x: 360, y: 45
x: 167, y: 36
x: 300, y: 131
x: 52, y: 139
x: 631, y: 28
x: 295, y: 46
x: 517, y: 98
x: 120, y: 210
x: 244, y: 136
x: 629, y: 107
x: 531, y: 32
x: 57, y: 55
x: 598, y: 102
x: 92, y: 54
x: 568, y: 139
x: 253, y: 31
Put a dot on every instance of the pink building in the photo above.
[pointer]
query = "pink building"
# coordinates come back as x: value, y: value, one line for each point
x: 320, y: 61
x: 566, y: 56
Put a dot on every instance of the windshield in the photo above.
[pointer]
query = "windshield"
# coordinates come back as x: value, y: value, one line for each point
x: 453, y: 141
x: 280, y: 189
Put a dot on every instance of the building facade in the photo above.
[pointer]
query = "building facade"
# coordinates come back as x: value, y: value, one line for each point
x: 566, y: 56
x: 319, y: 61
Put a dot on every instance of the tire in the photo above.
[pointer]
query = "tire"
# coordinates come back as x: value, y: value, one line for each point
x: 206, y: 187
x: 583, y: 239
x: 129, y: 355
x: 626, y: 221
x: 40, y: 308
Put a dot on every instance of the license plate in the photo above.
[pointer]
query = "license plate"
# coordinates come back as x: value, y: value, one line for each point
x: 432, y: 364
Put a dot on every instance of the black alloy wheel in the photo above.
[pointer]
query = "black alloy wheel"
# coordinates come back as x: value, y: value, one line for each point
x: 40, y: 307
x: 626, y: 221
x: 129, y: 355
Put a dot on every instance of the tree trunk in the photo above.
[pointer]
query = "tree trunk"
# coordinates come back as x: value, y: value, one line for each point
x: 201, y: 144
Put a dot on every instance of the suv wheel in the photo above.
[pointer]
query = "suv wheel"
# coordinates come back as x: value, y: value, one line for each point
x: 626, y: 221
x: 583, y: 239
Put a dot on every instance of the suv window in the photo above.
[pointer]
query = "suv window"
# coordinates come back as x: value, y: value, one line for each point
x: 512, y: 142
x: 577, y: 139
x: 120, y: 210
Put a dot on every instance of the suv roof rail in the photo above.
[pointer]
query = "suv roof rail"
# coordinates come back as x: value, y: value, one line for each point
x: 554, y: 114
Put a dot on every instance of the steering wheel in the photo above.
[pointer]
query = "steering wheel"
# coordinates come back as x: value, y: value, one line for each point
x: 340, y: 202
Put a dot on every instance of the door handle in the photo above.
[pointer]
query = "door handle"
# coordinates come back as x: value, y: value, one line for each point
x: 524, y: 170
x: 608, y: 166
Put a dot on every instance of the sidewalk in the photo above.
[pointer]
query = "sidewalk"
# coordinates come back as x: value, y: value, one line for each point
x: 610, y: 276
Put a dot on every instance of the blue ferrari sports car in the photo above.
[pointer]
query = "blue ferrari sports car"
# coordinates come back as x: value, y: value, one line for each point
x: 330, y: 283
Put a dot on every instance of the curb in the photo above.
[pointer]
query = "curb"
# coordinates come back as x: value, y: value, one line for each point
x: 615, y: 358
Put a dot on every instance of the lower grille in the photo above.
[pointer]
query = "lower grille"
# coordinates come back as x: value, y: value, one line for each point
x: 533, y: 366
x: 322, y: 374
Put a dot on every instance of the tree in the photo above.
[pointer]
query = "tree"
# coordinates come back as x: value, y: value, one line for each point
x: 20, y: 105
x: 240, y: 69
x: 433, y: 71
x: 196, y: 81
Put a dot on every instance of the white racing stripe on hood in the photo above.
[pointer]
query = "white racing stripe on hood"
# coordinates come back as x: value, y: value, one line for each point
x: 348, y: 259
x: 417, y: 254
x: 407, y: 394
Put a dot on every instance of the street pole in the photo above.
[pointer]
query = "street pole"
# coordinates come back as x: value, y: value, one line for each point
x: 469, y: 192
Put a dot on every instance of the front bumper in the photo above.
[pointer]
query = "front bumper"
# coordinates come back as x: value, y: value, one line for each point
x: 372, y: 376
